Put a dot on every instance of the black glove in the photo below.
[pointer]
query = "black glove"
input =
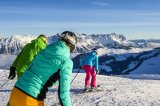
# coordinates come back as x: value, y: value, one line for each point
x: 81, y: 67
x: 12, y: 73
x: 97, y: 71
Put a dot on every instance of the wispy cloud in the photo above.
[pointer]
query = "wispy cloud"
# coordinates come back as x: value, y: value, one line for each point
x: 33, y: 24
x: 100, y: 3
x: 34, y: 11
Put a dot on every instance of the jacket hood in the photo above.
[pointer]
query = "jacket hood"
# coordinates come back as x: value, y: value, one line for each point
x: 58, y: 48
x: 92, y: 53
x: 40, y: 41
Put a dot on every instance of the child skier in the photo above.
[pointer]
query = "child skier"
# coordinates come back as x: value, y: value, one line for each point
x: 89, y: 63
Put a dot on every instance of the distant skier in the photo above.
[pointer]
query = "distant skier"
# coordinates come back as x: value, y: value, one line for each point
x: 26, y: 56
x: 89, y: 63
x: 50, y: 65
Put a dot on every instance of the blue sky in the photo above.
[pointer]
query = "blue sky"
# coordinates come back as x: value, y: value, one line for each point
x: 135, y: 19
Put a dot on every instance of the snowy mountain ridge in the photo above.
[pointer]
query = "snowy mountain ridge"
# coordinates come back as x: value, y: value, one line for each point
x: 117, y: 54
x: 13, y: 44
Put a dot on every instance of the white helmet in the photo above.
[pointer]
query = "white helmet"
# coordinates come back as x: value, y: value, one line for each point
x: 70, y: 39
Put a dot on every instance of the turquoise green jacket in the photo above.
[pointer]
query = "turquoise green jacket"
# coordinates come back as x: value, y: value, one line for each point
x: 27, y: 54
x: 51, y: 64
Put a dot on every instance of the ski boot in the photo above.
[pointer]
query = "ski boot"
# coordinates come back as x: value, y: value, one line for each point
x: 93, y: 89
x: 86, y: 89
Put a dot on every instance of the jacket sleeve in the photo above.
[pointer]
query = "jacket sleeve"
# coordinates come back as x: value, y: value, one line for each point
x: 96, y: 62
x: 14, y: 64
x: 64, y: 84
x: 81, y: 61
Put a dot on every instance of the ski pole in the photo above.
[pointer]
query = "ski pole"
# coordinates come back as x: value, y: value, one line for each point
x: 75, y: 75
x: 4, y: 83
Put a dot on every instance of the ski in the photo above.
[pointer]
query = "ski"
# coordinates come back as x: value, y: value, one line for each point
x: 98, y: 90
x: 57, y: 104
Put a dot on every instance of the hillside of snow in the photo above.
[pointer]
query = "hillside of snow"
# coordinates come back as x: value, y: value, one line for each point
x: 135, y: 90
x: 150, y: 66
x: 118, y: 61
x: 112, y: 64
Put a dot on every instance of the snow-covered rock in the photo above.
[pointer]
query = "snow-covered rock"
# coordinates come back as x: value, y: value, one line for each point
x: 14, y: 44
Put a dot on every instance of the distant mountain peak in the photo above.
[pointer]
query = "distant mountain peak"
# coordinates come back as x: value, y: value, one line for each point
x: 13, y: 44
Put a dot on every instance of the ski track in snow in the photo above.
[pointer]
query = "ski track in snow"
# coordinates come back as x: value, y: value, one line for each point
x: 118, y: 91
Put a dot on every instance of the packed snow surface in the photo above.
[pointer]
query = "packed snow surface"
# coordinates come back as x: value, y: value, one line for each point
x: 131, y: 90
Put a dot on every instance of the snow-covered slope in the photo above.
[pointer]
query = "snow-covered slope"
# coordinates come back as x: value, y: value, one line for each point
x: 150, y: 66
x: 122, y: 63
x: 117, y: 91
x: 118, y: 61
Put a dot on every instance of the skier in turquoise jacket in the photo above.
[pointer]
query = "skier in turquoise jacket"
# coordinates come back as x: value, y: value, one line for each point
x: 50, y: 65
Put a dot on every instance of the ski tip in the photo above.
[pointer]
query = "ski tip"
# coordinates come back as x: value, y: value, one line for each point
x: 99, y: 90
x: 98, y: 85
